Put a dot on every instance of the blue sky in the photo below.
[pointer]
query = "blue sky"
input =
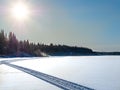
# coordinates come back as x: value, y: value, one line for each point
x: 88, y: 23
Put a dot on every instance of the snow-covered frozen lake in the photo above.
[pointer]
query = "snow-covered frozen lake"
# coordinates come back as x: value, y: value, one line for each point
x: 97, y: 72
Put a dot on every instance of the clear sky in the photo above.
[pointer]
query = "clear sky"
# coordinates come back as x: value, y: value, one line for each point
x: 88, y: 23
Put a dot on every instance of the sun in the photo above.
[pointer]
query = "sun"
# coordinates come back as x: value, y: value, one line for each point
x: 20, y: 11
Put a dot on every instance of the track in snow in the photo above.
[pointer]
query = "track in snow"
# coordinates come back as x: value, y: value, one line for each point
x: 66, y: 85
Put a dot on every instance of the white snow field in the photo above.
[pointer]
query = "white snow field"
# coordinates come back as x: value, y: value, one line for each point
x: 97, y: 72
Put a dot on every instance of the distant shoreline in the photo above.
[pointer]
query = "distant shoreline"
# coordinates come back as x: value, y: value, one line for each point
x: 66, y: 54
x: 10, y: 46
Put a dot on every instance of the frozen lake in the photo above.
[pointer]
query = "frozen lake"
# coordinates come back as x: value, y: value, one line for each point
x: 98, y: 72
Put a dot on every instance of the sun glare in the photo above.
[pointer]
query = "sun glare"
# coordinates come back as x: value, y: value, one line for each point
x: 20, y: 11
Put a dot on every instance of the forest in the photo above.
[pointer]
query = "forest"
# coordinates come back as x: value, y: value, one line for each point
x: 11, y: 46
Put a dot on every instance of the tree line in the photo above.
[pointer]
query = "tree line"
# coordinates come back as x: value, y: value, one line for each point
x: 10, y: 45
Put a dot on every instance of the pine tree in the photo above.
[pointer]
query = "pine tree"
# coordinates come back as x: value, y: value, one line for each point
x: 3, y: 43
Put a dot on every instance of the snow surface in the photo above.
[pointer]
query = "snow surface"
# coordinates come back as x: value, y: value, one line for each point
x: 97, y: 72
